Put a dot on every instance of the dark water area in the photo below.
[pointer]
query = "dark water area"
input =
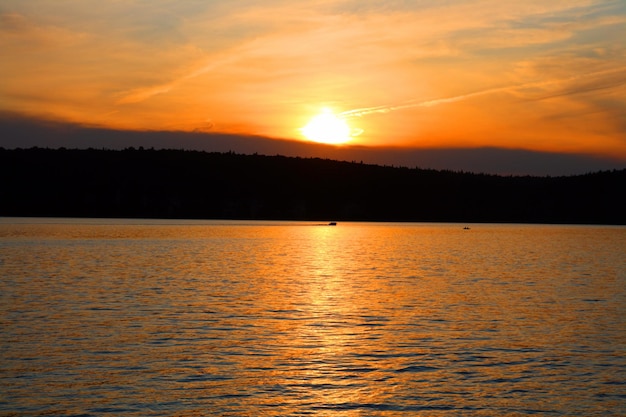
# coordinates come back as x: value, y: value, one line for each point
x: 197, y: 318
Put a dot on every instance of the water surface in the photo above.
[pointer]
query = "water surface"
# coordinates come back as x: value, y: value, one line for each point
x: 189, y: 318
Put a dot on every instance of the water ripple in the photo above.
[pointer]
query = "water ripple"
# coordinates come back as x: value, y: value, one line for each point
x: 362, y: 319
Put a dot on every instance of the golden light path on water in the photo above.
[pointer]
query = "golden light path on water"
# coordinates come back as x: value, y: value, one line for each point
x: 245, y: 318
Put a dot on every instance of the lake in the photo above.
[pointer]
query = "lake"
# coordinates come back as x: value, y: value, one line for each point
x: 236, y: 318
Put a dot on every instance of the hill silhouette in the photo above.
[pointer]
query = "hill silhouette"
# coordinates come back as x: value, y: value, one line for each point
x: 140, y: 183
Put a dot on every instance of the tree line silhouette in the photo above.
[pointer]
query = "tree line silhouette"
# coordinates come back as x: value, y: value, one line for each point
x: 148, y: 183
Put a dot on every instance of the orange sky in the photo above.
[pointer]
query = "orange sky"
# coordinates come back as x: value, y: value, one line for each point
x: 532, y: 74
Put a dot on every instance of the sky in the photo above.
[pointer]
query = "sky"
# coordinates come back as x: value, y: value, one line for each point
x: 529, y: 75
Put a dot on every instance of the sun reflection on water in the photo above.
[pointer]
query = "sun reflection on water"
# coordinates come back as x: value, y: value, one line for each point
x: 296, y: 319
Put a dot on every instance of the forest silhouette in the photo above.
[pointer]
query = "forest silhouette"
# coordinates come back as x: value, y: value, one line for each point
x: 148, y: 183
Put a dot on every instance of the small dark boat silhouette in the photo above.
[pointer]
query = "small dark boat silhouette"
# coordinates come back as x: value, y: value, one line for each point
x: 466, y: 228
x: 332, y: 224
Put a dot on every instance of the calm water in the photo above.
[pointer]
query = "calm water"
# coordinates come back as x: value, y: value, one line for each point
x: 160, y: 318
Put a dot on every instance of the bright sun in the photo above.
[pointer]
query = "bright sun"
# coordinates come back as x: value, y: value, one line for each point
x: 327, y: 128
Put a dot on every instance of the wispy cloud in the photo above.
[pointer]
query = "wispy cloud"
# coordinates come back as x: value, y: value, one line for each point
x: 143, y: 93
x: 549, y: 88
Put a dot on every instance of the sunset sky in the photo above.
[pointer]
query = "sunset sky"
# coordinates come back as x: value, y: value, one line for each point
x: 534, y: 74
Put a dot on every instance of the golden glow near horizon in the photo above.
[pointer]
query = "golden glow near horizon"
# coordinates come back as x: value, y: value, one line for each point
x: 530, y: 74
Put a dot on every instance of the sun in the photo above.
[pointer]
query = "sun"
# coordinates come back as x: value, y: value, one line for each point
x: 326, y: 127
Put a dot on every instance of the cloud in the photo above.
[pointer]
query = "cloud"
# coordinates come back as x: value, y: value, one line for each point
x: 536, y: 29
x: 355, y: 36
x: 567, y: 86
x: 20, y: 32
x: 143, y: 93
